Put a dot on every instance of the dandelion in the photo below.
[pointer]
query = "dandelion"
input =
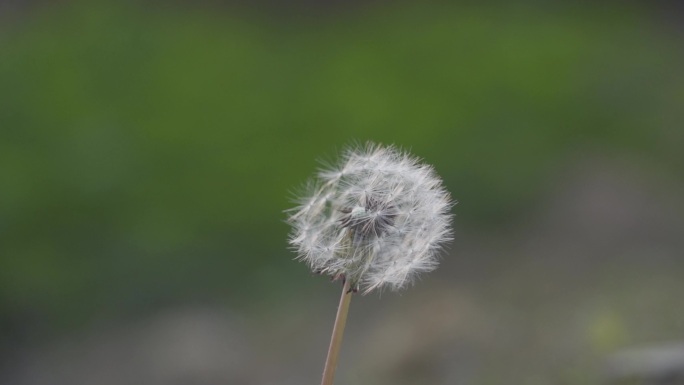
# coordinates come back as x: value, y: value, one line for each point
x: 375, y: 220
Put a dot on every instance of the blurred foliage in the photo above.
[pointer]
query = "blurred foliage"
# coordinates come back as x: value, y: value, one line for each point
x: 147, y: 151
x: 608, y: 331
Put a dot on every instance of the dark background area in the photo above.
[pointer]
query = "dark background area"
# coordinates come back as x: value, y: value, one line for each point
x: 148, y: 150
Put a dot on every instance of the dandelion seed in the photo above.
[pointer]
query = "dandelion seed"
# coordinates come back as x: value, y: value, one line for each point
x: 377, y: 218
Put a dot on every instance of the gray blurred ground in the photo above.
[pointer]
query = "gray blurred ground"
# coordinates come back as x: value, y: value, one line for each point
x: 593, y: 268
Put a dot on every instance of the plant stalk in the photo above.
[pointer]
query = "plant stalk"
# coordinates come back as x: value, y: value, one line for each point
x: 338, y: 331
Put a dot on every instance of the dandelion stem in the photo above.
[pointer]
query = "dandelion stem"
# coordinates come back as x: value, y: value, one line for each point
x: 338, y: 331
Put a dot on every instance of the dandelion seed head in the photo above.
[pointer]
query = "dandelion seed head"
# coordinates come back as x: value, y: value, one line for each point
x: 378, y: 217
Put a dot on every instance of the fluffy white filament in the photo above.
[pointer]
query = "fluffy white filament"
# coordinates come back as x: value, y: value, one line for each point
x: 377, y: 218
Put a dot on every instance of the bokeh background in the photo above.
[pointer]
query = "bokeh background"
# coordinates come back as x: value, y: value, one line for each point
x: 148, y: 150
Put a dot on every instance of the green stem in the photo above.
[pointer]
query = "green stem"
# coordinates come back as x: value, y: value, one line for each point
x: 338, y: 331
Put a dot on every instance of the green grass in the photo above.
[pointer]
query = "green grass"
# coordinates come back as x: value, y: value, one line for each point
x: 147, y: 153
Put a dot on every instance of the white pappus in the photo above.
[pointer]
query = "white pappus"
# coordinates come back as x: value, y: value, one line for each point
x: 377, y: 218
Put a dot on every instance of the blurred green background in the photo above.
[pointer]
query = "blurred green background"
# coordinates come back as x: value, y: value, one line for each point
x: 148, y: 149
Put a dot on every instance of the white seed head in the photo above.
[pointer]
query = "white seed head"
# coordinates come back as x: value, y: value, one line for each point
x: 377, y: 219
